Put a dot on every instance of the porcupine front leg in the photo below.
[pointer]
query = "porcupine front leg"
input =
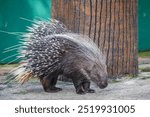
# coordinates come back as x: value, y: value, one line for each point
x: 86, y: 86
x: 49, y: 83
x: 86, y: 82
x: 81, y: 83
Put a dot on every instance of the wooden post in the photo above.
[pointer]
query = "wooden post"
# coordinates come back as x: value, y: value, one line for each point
x: 112, y: 24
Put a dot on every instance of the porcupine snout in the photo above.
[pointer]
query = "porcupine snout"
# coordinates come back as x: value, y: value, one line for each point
x: 103, y: 84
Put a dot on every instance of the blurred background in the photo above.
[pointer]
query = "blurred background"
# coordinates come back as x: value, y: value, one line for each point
x: 14, y: 12
x: 12, y: 19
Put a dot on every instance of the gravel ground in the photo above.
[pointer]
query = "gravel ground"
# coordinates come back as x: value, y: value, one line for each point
x: 125, y: 88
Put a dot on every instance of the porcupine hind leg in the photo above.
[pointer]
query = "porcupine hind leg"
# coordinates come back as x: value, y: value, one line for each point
x: 81, y: 83
x: 49, y: 83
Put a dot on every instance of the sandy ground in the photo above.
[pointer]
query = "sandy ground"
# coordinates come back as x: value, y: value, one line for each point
x: 125, y: 88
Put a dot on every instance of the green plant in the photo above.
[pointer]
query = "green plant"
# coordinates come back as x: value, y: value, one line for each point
x: 144, y: 54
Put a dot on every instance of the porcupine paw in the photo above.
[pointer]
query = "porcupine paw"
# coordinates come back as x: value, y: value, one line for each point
x: 90, y: 91
x: 53, y: 89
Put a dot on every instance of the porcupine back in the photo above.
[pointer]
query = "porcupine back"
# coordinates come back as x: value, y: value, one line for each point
x: 46, y: 44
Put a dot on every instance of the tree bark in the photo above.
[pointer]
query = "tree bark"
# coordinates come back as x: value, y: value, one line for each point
x: 112, y: 24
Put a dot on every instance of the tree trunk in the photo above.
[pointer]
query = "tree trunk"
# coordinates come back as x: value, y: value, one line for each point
x: 112, y: 24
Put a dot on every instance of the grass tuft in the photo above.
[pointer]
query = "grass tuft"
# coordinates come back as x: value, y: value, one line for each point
x: 9, y: 65
x: 145, y: 54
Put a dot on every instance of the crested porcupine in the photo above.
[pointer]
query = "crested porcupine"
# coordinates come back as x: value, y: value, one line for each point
x: 50, y: 50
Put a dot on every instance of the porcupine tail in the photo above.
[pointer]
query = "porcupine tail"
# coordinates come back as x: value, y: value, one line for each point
x: 38, y: 30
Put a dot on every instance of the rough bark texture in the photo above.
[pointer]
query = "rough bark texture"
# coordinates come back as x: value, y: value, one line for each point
x: 112, y: 24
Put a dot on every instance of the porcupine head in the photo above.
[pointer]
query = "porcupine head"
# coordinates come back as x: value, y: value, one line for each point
x: 50, y: 50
